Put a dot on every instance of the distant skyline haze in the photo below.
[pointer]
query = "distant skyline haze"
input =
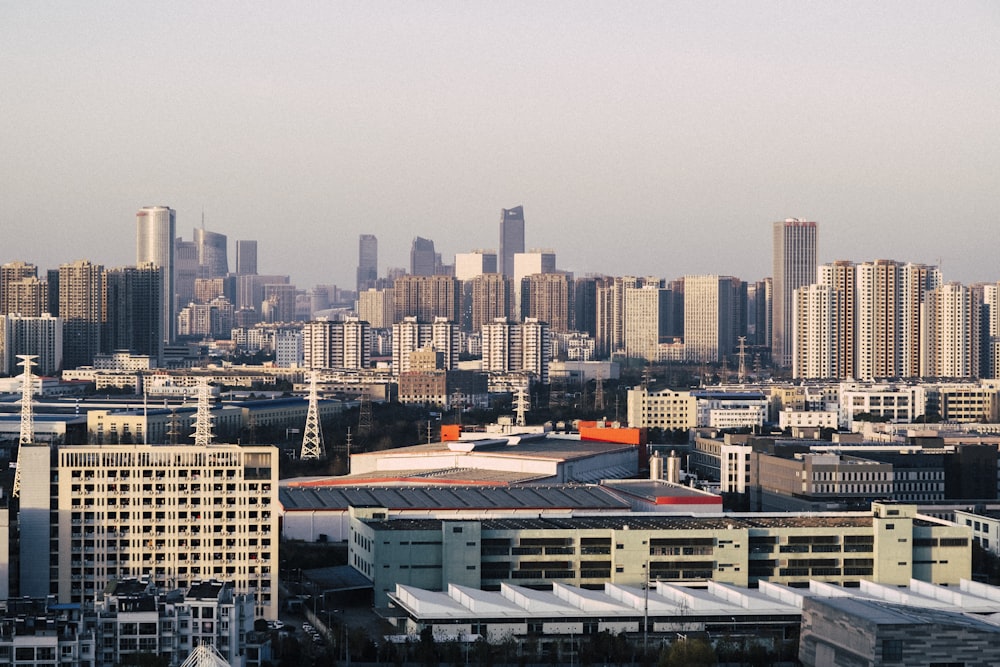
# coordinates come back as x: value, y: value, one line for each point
x: 642, y: 138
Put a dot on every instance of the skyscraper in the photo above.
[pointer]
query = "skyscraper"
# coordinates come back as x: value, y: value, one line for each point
x: 708, y: 317
x: 511, y: 237
x: 367, y: 262
x: 423, y: 259
x: 246, y: 258
x: 10, y: 273
x: 794, y: 267
x: 155, y: 237
x: 213, y: 253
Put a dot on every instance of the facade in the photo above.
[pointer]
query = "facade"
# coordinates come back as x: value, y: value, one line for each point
x: 708, y: 317
x: 411, y: 335
x: 213, y: 253
x: 647, y: 311
x: 511, y: 239
x: 367, y: 277
x: 134, y: 311
x: 517, y: 347
x: 817, y: 340
x: 468, y: 265
x: 548, y: 297
x: 794, y: 266
x: 246, y: 258
x: 891, y: 545
x: 377, y: 307
x: 529, y: 263
x: 896, y: 402
x: 41, y: 336
x: 490, y: 296
x: 10, y: 273
x: 665, y: 409
x: 327, y: 344
x: 82, y: 310
x: 423, y: 258
x: 426, y: 297
x: 174, y: 514
x: 951, y: 336
x: 155, y: 237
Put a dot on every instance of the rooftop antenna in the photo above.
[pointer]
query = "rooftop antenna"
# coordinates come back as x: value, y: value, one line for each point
x: 312, y: 439
x: 203, y: 415
x: 27, y: 416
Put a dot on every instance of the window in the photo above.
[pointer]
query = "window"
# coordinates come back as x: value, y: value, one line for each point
x: 892, y: 650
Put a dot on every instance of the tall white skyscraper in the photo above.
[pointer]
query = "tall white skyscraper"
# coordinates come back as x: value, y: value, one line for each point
x: 155, y: 235
x: 794, y: 266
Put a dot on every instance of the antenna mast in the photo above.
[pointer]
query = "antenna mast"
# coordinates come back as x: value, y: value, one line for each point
x: 203, y: 416
x: 312, y: 439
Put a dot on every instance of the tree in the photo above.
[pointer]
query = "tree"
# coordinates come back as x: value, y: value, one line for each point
x: 688, y: 653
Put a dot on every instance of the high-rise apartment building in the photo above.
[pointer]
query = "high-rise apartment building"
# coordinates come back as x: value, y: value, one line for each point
x: 367, y: 277
x: 548, y: 297
x: 647, y: 309
x: 758, y: 313
x: 427, y: 298
x: 133, y: 311
x: 423, y: 258
x: 173, y: 514
x: 490, y: 297
x: 917, y: 280
x: 511, y: 238
x: 708, y: 317
x: 213, y: 253
x: 517, y: 347
x: 327, y: 344
x: 527, y: 264
x: 951, y: 332
x: 377, y: 307
x: 82, y: 310
x: 817, y: 312
x: 37, y: 335
x: 794, y: 266
x: 246, y: 258
x: 278, y: 304
x: 842, y: 276
x: 410, y: 335
x: 155, y: 239
x: 28, y: 297
x: 10, y: 273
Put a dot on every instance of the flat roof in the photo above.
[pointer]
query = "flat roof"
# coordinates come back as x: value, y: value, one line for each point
x: 562, y: 496
x: 651, y: 489
x: 643, y: 521
x: 552, y: 447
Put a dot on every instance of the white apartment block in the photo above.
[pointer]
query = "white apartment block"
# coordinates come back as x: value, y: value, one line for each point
x: 41, y: 336
x: 328, y: 344
x: 410, y: 335
x: 643, y: 308
x: 951, y: 333
x: 708, y: 321
x: 816, y: 336
x: 808, y: 419
x: 173, y: 514
x: 377, y: 307
x: 517, y: 347
x: 898, y: 403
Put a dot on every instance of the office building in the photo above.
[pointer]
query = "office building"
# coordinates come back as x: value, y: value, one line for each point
x: 758, y: 314
x: 511, y: 238
x: 367, y: 274
x: 173, y: 514
x: 423, y: 258
x: 246, y: 258
x: 213, y: 253
x: 186, y: 271
x: 794, y: 266
x: 82, y: 308
x: 155, y: 239
x: 279, y: 301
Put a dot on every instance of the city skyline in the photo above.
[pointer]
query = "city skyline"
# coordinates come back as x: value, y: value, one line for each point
x: 669, y: 127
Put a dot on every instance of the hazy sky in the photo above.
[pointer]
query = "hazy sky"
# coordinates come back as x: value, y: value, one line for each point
x: 644, y: 138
